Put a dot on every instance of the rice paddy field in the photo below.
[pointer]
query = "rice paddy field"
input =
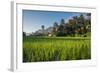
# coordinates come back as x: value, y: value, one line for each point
x: 39, y: 49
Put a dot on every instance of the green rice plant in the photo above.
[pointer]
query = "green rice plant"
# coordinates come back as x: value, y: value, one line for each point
x: 36, y: 49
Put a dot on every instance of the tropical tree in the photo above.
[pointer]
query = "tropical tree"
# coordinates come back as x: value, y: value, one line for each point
x: 62, y: 22
x: 81, y: 19
x: 72, y: 24
x: 55, y: 28
x: 61, y: 31
x: 43, y: 28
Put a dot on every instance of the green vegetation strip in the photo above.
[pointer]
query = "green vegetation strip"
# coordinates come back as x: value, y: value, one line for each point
x: 36, y: 49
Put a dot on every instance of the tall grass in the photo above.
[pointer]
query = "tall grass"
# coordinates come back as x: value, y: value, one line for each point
x: 37, y: 49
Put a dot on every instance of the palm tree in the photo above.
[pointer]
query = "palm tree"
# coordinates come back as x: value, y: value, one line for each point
x: 55, y: 28
x: 81, y: 19
x: 76, y: 19
x: 62, y: 22
x: 43, y: 28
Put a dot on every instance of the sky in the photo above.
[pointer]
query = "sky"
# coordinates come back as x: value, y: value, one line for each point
x: 33, y: 20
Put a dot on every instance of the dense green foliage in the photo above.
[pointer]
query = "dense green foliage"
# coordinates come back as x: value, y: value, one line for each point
x: 78, y: 25
x: 37, y: 49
